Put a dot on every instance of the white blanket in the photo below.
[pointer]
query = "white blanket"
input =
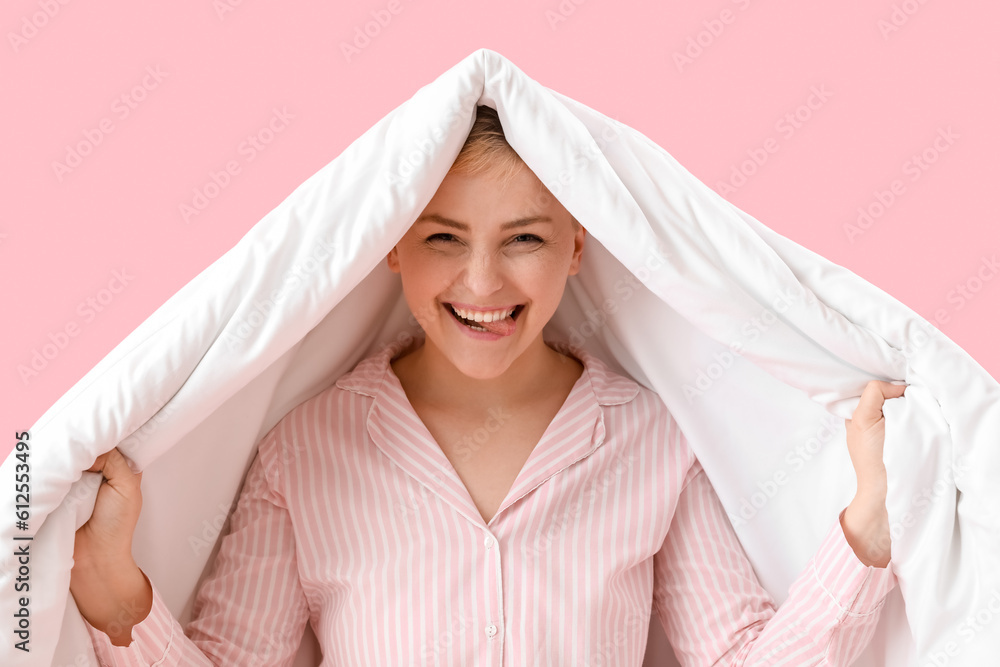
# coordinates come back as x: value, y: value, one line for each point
x: 758, y: 347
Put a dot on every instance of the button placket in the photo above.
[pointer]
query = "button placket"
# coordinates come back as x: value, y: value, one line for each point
x: 494, y: 617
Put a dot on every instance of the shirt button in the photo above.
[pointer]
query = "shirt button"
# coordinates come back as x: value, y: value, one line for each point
x: 489, y: 541
x: 491, y: 630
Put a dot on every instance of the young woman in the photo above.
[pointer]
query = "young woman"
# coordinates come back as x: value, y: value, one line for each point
x: 479, y: 495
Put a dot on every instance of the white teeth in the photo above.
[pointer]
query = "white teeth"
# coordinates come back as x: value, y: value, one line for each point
x: 483, y: 317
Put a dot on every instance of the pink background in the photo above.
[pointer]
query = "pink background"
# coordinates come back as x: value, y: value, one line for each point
x: 894, y: 74
x: 222, y: 74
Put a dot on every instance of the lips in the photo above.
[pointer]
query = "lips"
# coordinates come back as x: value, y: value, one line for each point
x: 517, y: 310
x: 493, y: 331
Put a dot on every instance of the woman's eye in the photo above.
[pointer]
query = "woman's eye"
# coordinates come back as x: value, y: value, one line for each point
x: 529, y: 238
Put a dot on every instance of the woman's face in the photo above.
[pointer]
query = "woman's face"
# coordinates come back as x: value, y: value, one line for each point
x: 459, y: 252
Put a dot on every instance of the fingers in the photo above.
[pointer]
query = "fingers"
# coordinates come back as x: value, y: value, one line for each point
x: 869, y: 410
x: 881, y: 390
x: 890, y: 390
x: 98, y: 463
x: 115, y: 468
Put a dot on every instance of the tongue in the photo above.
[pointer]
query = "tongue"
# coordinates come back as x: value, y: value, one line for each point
x: 504, y: 327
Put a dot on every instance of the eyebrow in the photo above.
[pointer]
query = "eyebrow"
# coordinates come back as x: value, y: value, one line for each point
x: 520, y: 222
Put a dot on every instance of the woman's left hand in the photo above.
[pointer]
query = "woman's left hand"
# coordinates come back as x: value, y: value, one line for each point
x: 866, y: 521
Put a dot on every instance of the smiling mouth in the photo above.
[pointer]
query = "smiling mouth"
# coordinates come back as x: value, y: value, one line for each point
x: 472, y: 324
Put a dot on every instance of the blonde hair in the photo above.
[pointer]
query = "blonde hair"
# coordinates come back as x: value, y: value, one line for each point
x: 486, y: 151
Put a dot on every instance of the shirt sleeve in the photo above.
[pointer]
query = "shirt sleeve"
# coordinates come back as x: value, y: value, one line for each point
x: 715, y: 612
x: 250, y: 611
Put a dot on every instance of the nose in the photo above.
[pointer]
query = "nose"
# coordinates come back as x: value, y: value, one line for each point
x: 482, y: 274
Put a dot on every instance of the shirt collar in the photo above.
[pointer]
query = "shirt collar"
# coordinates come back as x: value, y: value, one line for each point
x: 608, y: 386
x: 402, y: 436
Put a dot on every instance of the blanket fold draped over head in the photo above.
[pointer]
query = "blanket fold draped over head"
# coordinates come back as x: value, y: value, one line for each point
x: 758, y: 347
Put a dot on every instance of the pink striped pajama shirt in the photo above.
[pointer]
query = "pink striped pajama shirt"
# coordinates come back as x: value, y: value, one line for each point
x: 352, y: 519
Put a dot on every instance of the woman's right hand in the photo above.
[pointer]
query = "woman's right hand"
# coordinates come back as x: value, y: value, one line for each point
x: 110, y: 590
x: 107, y: 535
